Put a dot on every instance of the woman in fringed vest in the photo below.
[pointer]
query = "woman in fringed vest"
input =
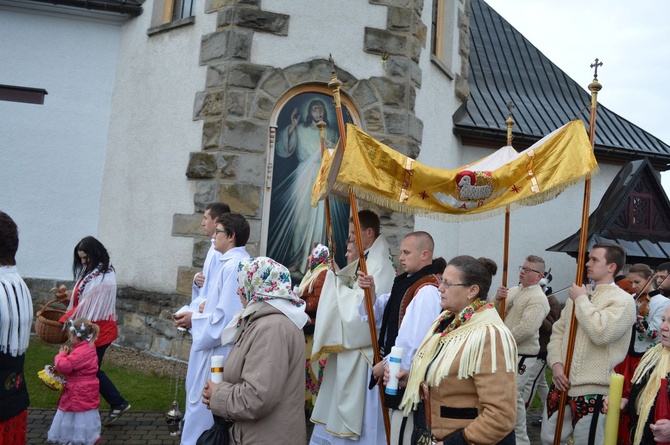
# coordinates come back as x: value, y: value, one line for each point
x: 468, y: 361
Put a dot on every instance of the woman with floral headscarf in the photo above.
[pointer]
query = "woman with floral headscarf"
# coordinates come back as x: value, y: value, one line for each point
x: 263, y: 379
x: 310, y: 291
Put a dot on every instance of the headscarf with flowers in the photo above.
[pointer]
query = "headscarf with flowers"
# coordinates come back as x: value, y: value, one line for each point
x: 318, y: 262
x: 264, y: 279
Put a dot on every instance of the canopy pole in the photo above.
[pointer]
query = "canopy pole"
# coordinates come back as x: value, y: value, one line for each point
x: 594, y: 87
x: 335, y: 85
x: 501, y: 307
x: 321, y: 125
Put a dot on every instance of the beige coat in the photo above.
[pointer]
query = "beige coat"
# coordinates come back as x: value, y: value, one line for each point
x: 264, y: 382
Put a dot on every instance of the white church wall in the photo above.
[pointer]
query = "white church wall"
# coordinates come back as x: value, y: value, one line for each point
x: 149, y: 145
x: 52, y: 156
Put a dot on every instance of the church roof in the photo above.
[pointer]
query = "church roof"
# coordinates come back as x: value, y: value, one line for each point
x: 634, y: 212
x: 505, y: 66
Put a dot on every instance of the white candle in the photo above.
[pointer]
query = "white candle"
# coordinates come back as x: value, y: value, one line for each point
x: 395, y: 359
x: 217, y: 369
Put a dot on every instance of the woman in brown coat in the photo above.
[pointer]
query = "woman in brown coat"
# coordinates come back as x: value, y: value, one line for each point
x: 263, y: 389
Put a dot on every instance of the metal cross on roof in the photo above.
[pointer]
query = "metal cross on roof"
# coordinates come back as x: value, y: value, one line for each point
x: 596, y: 65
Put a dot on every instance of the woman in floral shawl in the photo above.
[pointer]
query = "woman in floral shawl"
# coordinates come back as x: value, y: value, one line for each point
x: 263, y: 387
x: 468, y: 361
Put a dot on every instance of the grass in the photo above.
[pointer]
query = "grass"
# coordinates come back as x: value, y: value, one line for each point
x: 145, y: 392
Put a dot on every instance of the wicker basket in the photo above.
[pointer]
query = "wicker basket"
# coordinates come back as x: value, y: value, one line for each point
x: 47, y: 326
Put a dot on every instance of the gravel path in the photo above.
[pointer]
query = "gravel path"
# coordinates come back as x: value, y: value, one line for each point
x: 136, y: 360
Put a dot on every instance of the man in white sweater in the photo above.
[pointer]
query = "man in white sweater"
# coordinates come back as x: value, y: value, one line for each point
x: 605, y: 317
x: 526, y: 307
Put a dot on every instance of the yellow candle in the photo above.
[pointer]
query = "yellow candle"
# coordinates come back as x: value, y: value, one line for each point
x: 613, y: 410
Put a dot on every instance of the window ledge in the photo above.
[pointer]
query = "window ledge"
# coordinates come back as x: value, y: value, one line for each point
x: 171, y: 25
x: 441, y: 66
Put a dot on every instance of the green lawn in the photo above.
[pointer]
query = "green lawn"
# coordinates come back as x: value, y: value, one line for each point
x: 144, y: 392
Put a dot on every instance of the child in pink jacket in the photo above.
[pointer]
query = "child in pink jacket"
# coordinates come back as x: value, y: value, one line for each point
x: 77, y: 420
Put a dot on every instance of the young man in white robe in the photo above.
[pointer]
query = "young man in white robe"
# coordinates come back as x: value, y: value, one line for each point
x: 207, y: 324
x: 200, y: 284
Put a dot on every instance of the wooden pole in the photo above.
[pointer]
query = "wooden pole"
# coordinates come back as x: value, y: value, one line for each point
x: 594, y: 87
x: 501, y: 306
x: 321, y: 125
x: 335, y: 85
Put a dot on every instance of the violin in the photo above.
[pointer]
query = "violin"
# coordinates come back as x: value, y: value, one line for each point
x: 643, y: 300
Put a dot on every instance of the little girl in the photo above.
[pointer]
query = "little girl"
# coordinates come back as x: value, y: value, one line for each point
x: 77, y: 420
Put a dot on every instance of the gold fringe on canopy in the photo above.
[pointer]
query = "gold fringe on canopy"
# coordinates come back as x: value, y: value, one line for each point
x: 383, y: 176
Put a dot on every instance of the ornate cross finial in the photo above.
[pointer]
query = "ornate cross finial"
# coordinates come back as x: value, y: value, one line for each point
x: 510, y: 106
x: 596, y: 65
x: 332, y: 63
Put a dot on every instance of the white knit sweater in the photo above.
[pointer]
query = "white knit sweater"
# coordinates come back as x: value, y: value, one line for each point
x: 605, y: 319
x: 526, y: 308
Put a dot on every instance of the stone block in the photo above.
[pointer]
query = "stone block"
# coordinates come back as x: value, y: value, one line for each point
x: 378, y: 41
x: 462, y: 91
x: 401, y: 144
x: 415, y: 128
x: 135, y: 340
x: 134, y: 321
x: 241, y: 44
x: 149, y: 308
x: 373, y: 120
x: 262, y: 107
x: 200, y: 249
x: 399, y: 19
x: 392, y: 92
x: 398, y: 66
x: 214, y: 47
x: 299, y: 73
x: 395, y: 122
x: 187, y: 225
x: 262, y: 21
x: 254, y: 249
x: 228, y: 166
x: 216, y: 75
x: 161, y: 346
x: 181, y: 348
x: 208, y: 104
x: 275, y: 84
x: 205, y: 192
x: 242, y: 198
x: 201, y: 165
x: 164, y: 327
x: 251, y: 168
x: 415, y: 49
x: 255, y: 233
x: 244, y: 135
x: 213, y: 5
x: 363, y: 94
x: 224, y: 17
x: 419, y: 30
x: 211, y: 133
x: 236, y: 103
x: 246, y: 75
x: 185, y: 279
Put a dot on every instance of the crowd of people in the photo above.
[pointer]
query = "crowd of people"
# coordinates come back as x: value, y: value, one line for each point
x: 469, y: 369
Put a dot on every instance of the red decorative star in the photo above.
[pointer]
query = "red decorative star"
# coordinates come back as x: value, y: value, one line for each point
x: 516, y: 188
x: 423, y: 194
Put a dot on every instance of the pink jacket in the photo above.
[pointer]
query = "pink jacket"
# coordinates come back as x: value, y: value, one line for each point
x: 81, y: 392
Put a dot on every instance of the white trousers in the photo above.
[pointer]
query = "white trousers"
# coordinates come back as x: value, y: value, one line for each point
x: 523, y: 373
x: 396, y: 425
x: 589, y: 430
x: 537, y: 383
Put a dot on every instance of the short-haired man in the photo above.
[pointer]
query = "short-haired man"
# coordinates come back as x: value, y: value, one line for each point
x: 526, y: 309
x: 344, y: 408
x: 213, y: 211
x: 404, y: 317
x: 605, y: 318
x: 230, y: 236
x: 662, y: 281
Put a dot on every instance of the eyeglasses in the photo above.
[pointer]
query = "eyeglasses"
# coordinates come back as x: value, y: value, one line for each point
x: 217, y: 231
x: 446, y: 284
x: 528, y: 269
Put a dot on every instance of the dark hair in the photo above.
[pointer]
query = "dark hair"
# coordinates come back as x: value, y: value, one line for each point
x: 641, y: 269
x: 663, y: 266
x: 439, y: 264
x: 614, y: 253
x: 368, y: 220
x: 234, y: 223
x: 97, y: 255
x: 9, y: 240
x: 476, y: 272
x: 308, y: 119
x: 216, y: 209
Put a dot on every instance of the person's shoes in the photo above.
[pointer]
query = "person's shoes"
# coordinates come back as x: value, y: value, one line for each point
x: 115, y: 413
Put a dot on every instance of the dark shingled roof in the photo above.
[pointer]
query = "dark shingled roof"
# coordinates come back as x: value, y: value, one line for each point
x: 505, y: 66
x: 613, y: 220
